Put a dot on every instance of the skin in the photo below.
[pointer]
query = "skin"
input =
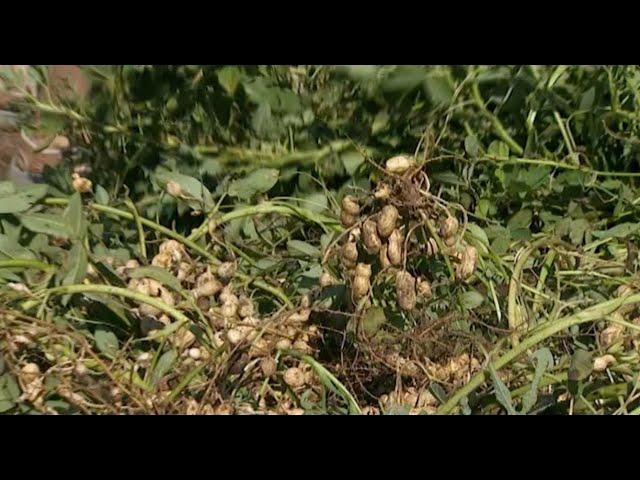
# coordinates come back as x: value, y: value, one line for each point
x: 20, y: 162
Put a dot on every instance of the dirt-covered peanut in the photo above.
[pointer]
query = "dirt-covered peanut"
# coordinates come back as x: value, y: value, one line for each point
x: 229, y: 309
x: 349, y: 254
x: 226, y: 271
x: 405, y: 290
x: 363, y: 270
x: 360, y: 287
x: 174, y: 249
x: 450, y: 241
x: 283, y: 344
x: 448, y: 227
x: 235, y: 336
x: 384, y: 258
x: 387, y: 219
x: 299, y: 316
x: 81, y: 184
x: 227, y: 295
x: 399, y: 164
x: 383, y: 192
x: 602, y: 363
x: 350, y: 205
x: 370, y: 237
x: 162, y: 260
x: 245, y: 307
x: 467, y: 263
x: 207, y: 289
x: 326, y: 280
x: 149, y: 310
x: 394, y: 249
x: 268, y: 366
x: 347, y: 220
x: 423, y: 288
x: 294, y: 377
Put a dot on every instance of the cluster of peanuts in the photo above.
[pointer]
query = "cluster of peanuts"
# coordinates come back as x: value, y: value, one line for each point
x: 417, y: 402
x: 380, y: 240
x: 456, y: 370
x: 231, y: 315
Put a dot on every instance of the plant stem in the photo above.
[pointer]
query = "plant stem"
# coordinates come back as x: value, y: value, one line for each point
x: 24, y: 263
x: 553, y: 163
x: 495, y: 121
x: 122, y: 292
x: 516, y: 322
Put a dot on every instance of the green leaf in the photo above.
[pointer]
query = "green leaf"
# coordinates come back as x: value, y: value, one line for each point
x: 503, y: 395
x: 316, y: 202
x: 11, y: 387
x: 472, y: 145
x: 404, y: 78
x: 544, y: 361
x: 259, y: 181
x: 76, y: 223
x: 498, y: 149
x: 78, y: 263
x: 581, y: 365
x: 299, y: 248
x: 619, y: 231
x: 586, y: 102
x: 15, y: 202
x: 7, y: 188
x: 101, y: 195
x: 107, y: 342
x: 373, y: 320
x: 534, y: 177
x: 380, y: 122
x: 229, y: 77
x: 500, y: 244
x: 479, y: 237
x: 165, y: 362
x: 447, y: 177
x: 260, y: 93
x: 577, y: 230
x: 471, y: 299
x: 46, y: 223
x: 520, y: 220
x: 439, y: 88
x: 351, y: 161
x: 10, y: 248
x: 159, y: 274
x: 5, y: 405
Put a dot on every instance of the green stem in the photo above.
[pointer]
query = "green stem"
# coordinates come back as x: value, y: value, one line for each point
x: 288, y: 210
x: 24, y: 263
x: 553, y: 163
x: 596, y: 312
x: 121, y: 292
x: 516, y: 322
x: 137, y: 218
x: 276, y: 160
x: 495, y: 121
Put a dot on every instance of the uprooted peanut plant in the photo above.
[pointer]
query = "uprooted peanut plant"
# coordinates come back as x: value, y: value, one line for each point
x: 313, y: 239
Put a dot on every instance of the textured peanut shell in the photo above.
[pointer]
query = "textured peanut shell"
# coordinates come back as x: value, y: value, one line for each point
x: 387, y: 220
